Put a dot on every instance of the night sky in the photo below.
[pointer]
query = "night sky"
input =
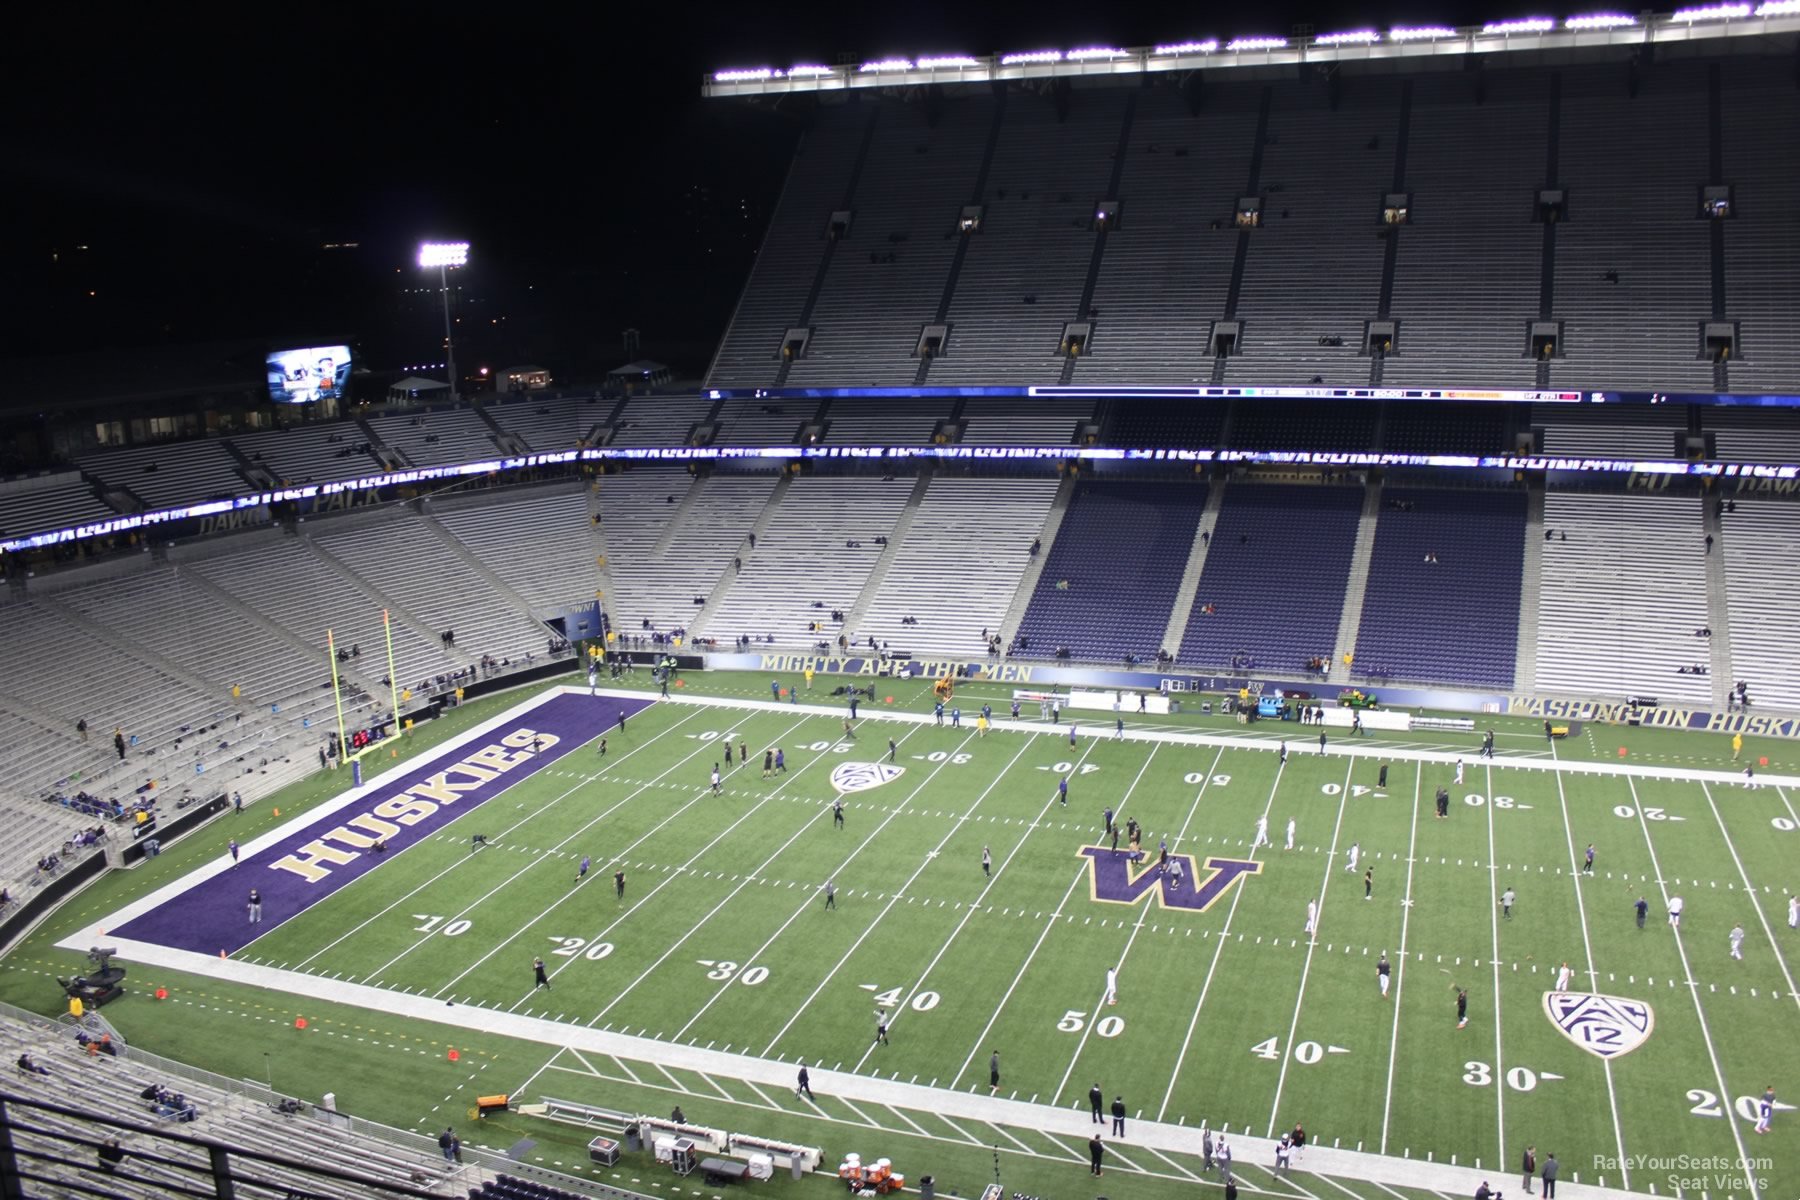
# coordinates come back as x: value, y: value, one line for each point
x: 205, y: 166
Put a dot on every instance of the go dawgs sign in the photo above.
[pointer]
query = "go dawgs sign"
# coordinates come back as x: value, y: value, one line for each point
x: 1111, y: 879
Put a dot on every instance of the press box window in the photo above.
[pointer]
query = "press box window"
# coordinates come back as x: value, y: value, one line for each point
x: 1380, y: 338
x: 1545, y: 340
x: 931, y: 341
x: 1225, y: 338
x: 1718, y: 341
x: 1075, y: 338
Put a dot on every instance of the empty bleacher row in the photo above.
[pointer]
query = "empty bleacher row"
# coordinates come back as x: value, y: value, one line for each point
x: 1624, y: 280
x: 1110, y: 580
x: 1272, y: 588
x: 1623, y: 597
x: 1761, y: 544
x: 813, y: 556
x: 1442, y: 602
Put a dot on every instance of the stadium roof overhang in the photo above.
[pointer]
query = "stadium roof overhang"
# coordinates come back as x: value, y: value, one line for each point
x: 1722, y: 27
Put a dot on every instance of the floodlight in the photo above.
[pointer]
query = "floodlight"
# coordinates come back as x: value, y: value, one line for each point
x: 1031, y: 56
x: 1421, y: 33
x: 1357, y: 37
x: 1523, y: 25
x: 444, y: 254
x: 1712, y: 12
x: 1206, y: 47
x: 1256, y: 43
x: 936, y: 61
x: 808, y: 70
x: 1600, y: 21
x: 1091, y: 52
x: 743, y: 75
x: 888, y: 64
x: 1778, y: 8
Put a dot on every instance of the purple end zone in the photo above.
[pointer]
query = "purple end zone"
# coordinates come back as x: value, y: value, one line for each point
x: 213, y: 915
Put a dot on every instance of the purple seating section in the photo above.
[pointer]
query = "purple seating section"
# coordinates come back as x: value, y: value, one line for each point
x: 1122, y: 547
x: 1455, y: 620
x: 1275, y: 575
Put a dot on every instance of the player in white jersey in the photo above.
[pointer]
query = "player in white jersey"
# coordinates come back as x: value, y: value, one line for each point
x: 1262, y: 833
x: 1312, y: 915
x: 1737, y: 941
x: 1112, y: 985
x: 1354, y: 853
x: 1290, y: 846
x: 1794, y: 912
x: 1459, y: 772
x: 1562, y: 977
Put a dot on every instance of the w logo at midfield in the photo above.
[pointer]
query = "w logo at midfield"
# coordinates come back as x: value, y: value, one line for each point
x: 1114, y: 879
x: 860, y: 777
x: 1608, y: 1026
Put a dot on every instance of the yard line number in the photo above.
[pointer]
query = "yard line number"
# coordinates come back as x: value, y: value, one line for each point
x: 1074, y: 1021
x: 431, y: 925
x: 569, y: 947
x: 1519, y: 1079
x: 722, y: 971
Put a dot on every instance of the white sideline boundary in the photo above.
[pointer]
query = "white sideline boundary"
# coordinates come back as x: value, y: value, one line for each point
x: 1152, y: 1135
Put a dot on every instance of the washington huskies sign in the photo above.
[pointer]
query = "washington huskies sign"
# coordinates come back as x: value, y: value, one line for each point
x: 1608, y: 1026
x: 1112, y: 880
x: 860, y: 777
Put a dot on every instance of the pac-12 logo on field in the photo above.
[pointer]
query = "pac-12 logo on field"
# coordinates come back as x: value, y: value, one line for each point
x: 1608, y: 1026
x: 860, y: 777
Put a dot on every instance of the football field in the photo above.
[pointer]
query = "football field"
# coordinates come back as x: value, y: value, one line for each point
x: 976, y: 913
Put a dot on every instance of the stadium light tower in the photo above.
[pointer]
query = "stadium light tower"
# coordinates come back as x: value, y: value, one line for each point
x: 443, y: 256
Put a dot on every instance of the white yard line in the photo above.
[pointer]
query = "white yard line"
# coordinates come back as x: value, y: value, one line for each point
x: 1137, y: 927
x: 773, y: 1104
x: 548, y: 1063
x: 904, y: 1117
x: 1712, y: 1052
x: 898, y: 894
x: 1399, y: 963
x: 861, y: 1115
x: 1237, y: 893
x: 967, y: 1136
x: 1054, y: 917
x: 749, y: 878
x: 396, y: 903
x: 1494, y: 961
x: 1312, y: 943
x: 1593, y: 976
x: 715, y: 1085
x: 1171, y: 1162
x: 1009, y: 1137
x: 1749, y: 888
x: 901, y: 1009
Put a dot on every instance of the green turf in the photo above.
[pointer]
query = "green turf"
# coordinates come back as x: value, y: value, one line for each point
x: 1227, y: 1016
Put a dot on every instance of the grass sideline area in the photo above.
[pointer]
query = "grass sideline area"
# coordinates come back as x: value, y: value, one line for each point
x: 1227, y: 1015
